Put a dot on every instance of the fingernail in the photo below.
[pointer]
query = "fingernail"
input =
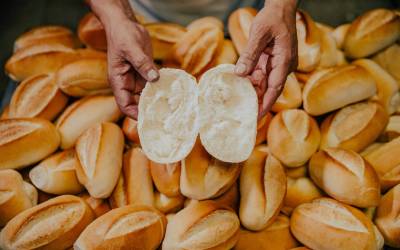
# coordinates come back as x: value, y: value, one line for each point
x: 240, y: 68
x: 152, y: 75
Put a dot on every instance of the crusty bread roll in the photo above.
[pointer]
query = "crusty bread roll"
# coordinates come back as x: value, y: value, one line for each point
x: 130, y: 227
x: 239, y: 24
x: 354, y: 127
x: 91, y: 32
x: 387, y: 217
x: 388, y: 59
x: 392, y: 130
x: 129, y: 127
x: 56, y: 174
x: 227, y: 54
x: 37, y: 96
x: 262, y: 189
x: 87, y: 53
x: 99, y: 150
x: 339, y: 34
x: 40, y: 58
x: 202, y: 225
x: 328, y: 224
x: 207, y: 21
x: 262, y: 128
x: 371, y: 32
x: 277, y: 236
x: 329, y: 51
x: 83, y: 114
x: 135, y: 186
x: 297, y: 172
x: 24, y: 141
x: 166, y: 177
x: 168, y: 116
x: 203, y: 177
x: 167, y: 204
x: 54, y: 224
x: 334, y: 88
x: 99, y: 206
x: 293, y: 136
x: 291, y: 97
x: 228, y: 114
x: 346, y: 176
x: 84, y: 77
x: 16, y: 195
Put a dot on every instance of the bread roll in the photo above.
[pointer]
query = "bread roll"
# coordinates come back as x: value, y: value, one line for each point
x: 16, y: 195
x: 99, y: 206
x: 293, y: 136
x: 87, y: 53
x: 329, y: 52
x: 371, y: 32
x: 277, y: 236
x: 37, y: 59
x: 346, y: 176
x: 227, y: 54
x: 203, y: 177
x: 91, y: 32
x: 166, y: 177
x: 37, y: 96
x: 129, y: 227
x: 167, y: 204
x: 5, y: 112
x: 83, y: 114
x: 328, y: 224
x: 262, y: 189
x: 202, y: 225
x: 84, y: 77
x: 239, y: 24
x: 129, y: 127
x: 262, y: 128
x: 56, y: 174
x: 387, y: 59
x: 24, y: 141
x: 387, y: 215
x: 371, y: 148
x: 207, y: 21
x: 354, y: 127
x: 339, y: 34
x: 392, y: 130
x: 290, y: 98
x: 135, y: 186
x: 228, y: 114
x: 99, y: 150
x: 54, y: 224
x: 334, y: 88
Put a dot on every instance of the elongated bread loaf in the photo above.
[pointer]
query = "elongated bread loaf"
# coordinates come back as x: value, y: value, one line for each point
x: 387, y: 59
x: 239, y: 24
x: 91, y: 32
x: 291, y: 97
x: 166, y: 177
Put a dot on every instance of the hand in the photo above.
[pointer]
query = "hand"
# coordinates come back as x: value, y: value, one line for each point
x: 271, y: 52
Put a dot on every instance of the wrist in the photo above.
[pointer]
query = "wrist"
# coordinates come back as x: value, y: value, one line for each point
x: 109, y: 12
x: 282, y: 5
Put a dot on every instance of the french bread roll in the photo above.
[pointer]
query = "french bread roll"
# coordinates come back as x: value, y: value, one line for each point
x: 87, y: 53
x: 40, y: 58
x: 166, y: 177
x: 354, y: 127
x: 167, y: 204
x: 277, y: 236
x: 328, y: 224
x: 227, y: 54
x: 297, y: 172
x: 202, y: 225
x: 339, y: 34
x: 372, y: 32
x: 291, y: 97
x: 168, y: 116
x: 129, y: 127
x: 371, y: 148
x: 99, y: 206
x: 392, y: 130
x: 37, y: 96
x: 228, y: 114
x: 207, y: 21
x: 25, y: 141
x: 387, y: 59
x: 16, y: 195
x: 84, y: 77
x: 331, y: 89
x: 262, y: 128
x: 329, y: 52
x: 293, y: 136
x: 130, y: 227
x: 99, y: 150
x: 54, y: 224
x: 135, y: 186
x: 203, y: 177
x: 239, y: 24
x: 262, y: 189
x: 91, y: 32
x: 76, y: 119
x: 56, y: 174
x: 346, y: 176
x: 387, y: 217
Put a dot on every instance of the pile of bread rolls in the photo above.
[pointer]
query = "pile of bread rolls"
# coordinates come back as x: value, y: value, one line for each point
x: 322, y: 172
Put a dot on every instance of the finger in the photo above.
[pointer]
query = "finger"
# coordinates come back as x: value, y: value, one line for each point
x: 143, y: 64
x: 270, y: 97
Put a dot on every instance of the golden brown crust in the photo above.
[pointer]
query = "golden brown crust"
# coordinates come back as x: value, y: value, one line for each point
x: 91, y: 32
x: 262, y: 128
x: 167, y: 204
x: 129, y: 127
x: 99, y: 206
x: 239, y: 23
x: 166, y: 177
x: 387, y: 59
x: 291, y: 97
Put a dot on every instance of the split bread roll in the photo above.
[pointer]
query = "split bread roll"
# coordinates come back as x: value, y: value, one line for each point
x: 25, y: 141
x: 56, y: 174
x: 16, y: 195
x: 328, y: 224
x: 388, y: 59
x: 239, y: 24
x: 291, y: 97
x: 166, y: 177
x: 371, y: 32
x: 76, y: 119
x: 99, y: 150
x: 129, y: 127
x: 387, y: 217
x: 262, y: 189
x: 346, y: 176
x: 331, y: 89
x: 293, y: 137
x: 339, y: 34
x: 354, y: 127
x: 54, y: 224
x: 202, y: 225
x: 167, y: 204
x: 203, y: 177
x: 99, y: 206
x: 37, y: 96
x: 130, y: 227
x: 91, y: 32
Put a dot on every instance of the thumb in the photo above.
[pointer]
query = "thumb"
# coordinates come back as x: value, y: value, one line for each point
x: 144, y: 65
